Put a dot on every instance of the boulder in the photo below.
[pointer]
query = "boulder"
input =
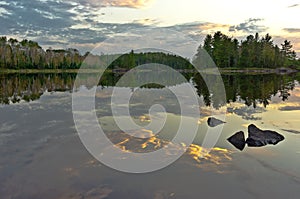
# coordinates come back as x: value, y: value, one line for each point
x: 213, y: 122
x: 238, y: 140
x: 258, y: 137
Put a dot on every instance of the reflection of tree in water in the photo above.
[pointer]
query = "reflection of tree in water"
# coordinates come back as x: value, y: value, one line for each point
x: 249, y: 89
x: 284, y: 90
x: 202, y: 89
x: 257, y: 89
x: 30, y: 87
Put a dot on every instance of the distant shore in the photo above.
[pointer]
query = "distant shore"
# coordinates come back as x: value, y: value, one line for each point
x: 36, y: 71
x: 259, y: 70
x: 209, y: 71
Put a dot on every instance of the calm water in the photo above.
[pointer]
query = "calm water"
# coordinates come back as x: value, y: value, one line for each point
x: 41, y: 155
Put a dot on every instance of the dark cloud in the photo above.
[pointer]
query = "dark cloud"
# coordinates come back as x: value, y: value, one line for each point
x: 198, y: 26
x: 186, y: 29
x: 292, y: 30
x: 249, y: 26
x: 187, y: 26
x: 46, y: 42
x: 196, y: 30
x: 68, y: 23
x: 35, y: 16
x: 74, y: 23
x: 59, y: 23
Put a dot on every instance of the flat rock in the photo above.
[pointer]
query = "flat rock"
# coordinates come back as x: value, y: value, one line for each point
x: 238, y: 140
x: 213, y: 122
x: 258, y: 137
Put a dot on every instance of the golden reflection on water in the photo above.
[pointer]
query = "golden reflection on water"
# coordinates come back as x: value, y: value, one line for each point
x: 71, y: 171
x: 152, y: 141
x: 194, y: 154
x: 216, y: 154
x: 145, y: 118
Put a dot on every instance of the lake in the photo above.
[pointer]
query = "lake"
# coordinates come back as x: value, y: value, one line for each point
x: 42, y: 156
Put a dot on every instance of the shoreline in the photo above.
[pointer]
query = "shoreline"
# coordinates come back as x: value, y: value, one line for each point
x: 260, y: 71
x: 209, y: 71
x: 41, y: 71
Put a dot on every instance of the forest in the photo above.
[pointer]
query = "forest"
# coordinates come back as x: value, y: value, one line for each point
x: 253, y: 52
x: 227, y: 52
x: 29, y: 55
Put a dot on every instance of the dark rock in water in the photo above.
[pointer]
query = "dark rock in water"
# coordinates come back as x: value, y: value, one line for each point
x: 213, y: 122
x: 258, y: 137
x: 238, y: 140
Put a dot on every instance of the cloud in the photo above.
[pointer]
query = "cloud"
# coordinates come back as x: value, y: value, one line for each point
x: 292, y: 30
x: 213, y: 26
x: 71, y: 23
x: 62, y: 23
x: 295, y: 39
x: 294, y: 5
x: 249, y: 26
x: 147, y: 21
x: 186, y: 27
x: 198, y: 30
x: 4, y: 13
x: 42, y: 16
x: 115, y: 3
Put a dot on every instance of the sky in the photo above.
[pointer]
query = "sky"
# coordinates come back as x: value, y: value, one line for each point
x: 83, y: 24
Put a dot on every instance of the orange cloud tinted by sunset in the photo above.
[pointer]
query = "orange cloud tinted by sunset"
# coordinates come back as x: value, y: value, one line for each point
x: 120, y: 3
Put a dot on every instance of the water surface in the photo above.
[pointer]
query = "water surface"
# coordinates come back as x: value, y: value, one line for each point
x: 41, y: 155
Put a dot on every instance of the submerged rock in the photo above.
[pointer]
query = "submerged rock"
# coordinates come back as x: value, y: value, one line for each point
x: 213, y: 122
x: 258, y: 137
x: 238, y: 140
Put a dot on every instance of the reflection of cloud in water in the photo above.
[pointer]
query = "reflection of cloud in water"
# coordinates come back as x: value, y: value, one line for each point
x: 71, y: 171
x: 290, y: 108
x: 218, y: 157
x: 92, y: 163
x: 95, y: 193
x: 291, y: 104
x: 51, y: 124
x: 197, y: 153
x: 265, y: 167
x: 6, y: 131
x: 247, y: 113
x: 216, y: 160
x: 285, y: 120
x: 145, y: 118
x: 7, y: 127
x: 161, y: 194
x: 291, y: 131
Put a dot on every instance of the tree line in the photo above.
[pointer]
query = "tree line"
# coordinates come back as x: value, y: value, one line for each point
x: 27, y: 54
x: 253, y: 52
x: 132, y: 59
